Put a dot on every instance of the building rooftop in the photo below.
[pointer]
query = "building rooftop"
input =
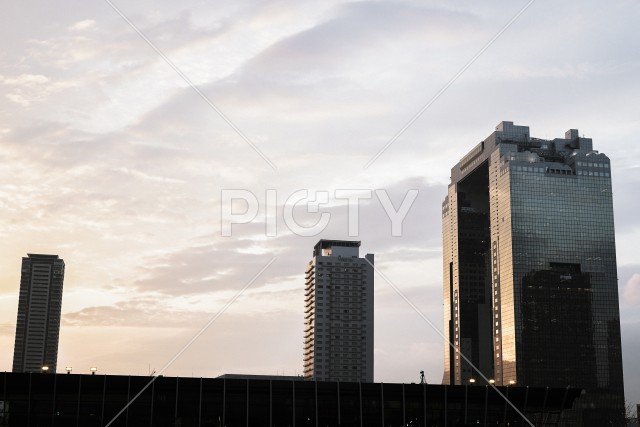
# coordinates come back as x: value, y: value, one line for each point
x: 328, y: 244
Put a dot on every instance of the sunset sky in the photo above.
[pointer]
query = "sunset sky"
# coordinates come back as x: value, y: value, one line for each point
x: 112, y: 160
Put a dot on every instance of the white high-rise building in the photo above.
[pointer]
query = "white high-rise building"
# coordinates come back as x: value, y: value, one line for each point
x: 338, y: 317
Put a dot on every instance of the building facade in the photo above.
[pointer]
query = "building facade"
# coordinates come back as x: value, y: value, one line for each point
x: 123, y: 401
x: 39, y: 307
x: 338, y: 317
x: 530, y: 280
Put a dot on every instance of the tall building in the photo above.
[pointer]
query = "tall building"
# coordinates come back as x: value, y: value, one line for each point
x: 530, y: 282
x: 39, y: 306
x: 338, y: 317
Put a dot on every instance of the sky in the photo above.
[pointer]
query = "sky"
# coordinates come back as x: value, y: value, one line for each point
x: 123, y: 127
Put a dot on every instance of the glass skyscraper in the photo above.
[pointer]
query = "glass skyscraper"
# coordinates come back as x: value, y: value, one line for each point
x: 530, y: 281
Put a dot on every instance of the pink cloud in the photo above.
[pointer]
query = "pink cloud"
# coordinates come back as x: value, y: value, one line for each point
x: 632, y: 290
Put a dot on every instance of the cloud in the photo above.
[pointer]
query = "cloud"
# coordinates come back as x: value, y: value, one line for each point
x: 25, y: 88
x: 214, y: 263
x: 625, y: 181
x: 137, y: 312
x: 18, y: 99
x: 29, y: 88
x: 25, y: 80
x: 357, y: 31
x: 284, y: 96
x: 82, y: 25
x: 147, y: 177
x: 630, y: 351
x: 201, y: 270
x: 631, y: 293
x: 568, y: 70
x: 235, y: 343
x: 7, y: 329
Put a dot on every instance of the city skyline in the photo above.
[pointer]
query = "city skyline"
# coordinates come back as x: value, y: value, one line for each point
x: 113, y: 162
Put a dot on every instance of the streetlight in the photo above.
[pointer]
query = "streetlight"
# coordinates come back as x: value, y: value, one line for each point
x: 492, y: 381
x: 44, y: 369
x: 68, y: 369
x: 472, y: 380
x: 93, y: 370
x: 512, y: 382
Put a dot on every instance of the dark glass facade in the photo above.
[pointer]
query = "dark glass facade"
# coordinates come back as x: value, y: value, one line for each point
x: 552, y: 279
x: 47, y: 400
x: 472, y: 298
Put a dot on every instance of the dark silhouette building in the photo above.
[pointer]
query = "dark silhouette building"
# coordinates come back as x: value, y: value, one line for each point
x: 39, y: 307
x: 530, y: 280
x: 123, y: 401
